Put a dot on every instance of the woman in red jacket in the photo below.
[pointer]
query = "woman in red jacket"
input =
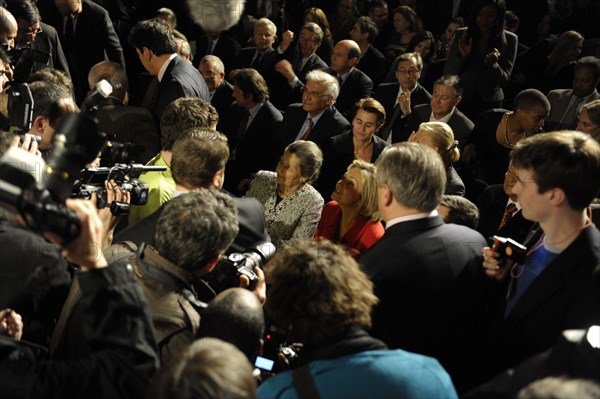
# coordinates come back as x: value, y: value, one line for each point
x: 352, y: 218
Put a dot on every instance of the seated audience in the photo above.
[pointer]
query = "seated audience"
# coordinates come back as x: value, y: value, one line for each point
x: 292, y: 205
x: 320, y: 294
x: 588, y: 120
x: 497, y: 131
x: 406, y: 24
x: 566, y: 103
x: 208, y: 369
x: 362, y: 143
x: 439, y: 136
x: 458, y: 210
x: 352, y: 218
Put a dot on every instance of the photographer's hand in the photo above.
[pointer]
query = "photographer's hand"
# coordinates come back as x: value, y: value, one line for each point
x: 28, y: 144
x: 491, y: 264
x: 11, y: 324
x: 85, y: 250
x: 113, y: 193
x: 261, y: 286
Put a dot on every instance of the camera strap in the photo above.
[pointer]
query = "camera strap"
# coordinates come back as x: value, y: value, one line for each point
x: 304, y: 383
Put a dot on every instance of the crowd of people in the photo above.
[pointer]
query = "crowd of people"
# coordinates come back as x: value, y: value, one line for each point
x: 427, y: 173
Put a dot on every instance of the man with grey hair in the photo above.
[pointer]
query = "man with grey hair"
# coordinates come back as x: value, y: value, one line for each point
x: 424, y: 271
x: 212, y: 70
x: 447, y: 93
x: 315, y: 119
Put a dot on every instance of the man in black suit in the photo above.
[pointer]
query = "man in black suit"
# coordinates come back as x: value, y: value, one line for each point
x: 218, y: 44
x: 426, y: 273
x: 212, y: 70
x: 315, y: 119
x: 86, y: 34
x: 198, y: 161
x: 32, y: 32
x: 175, y: 78
x: 287, y: 88
x: 399, y: 99
x: 372, y: 62
x: 124, y: 123
x: 447, y: 93
x: 250, y: 126
x: 354, y: 84
x: 262, y: 56
x: 500, y: 213
x: 557, y: 176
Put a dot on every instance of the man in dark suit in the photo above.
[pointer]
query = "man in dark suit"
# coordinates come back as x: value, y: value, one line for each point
x: 500, y: 213
x: 125, y: 123
x: 315, y: 119
x: 175, y: 78
x: 426, y: 273
x: 399, y: 99
x: 262, y: 56
x: 250, y: 126
x: 87, y: 34
x: 372, y: 62
x: 219, y: 44
x: 557, y: 176
x: 442, y: 108
x: 287, y: 88
x: 32, y: 32
x: 212, y: 70
x: 566, y: 103
x: 354, y: 84
x: 199, y: 159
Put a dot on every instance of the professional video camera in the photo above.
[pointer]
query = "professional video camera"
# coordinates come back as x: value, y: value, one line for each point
x: 508, y: 248
x: 126, y: 176
x: 40, y: 199
x: 230, y: 268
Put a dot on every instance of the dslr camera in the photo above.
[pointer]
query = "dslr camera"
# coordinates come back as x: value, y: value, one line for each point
x: 230, y: 268
x: 508, y: 248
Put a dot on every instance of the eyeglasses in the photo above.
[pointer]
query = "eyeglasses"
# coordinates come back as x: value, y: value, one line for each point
x: 30, y: 32
x: 409, y: 71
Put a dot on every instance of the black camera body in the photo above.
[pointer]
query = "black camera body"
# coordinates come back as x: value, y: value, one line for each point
x: 22, y: 60
x: 508, y: 248
x: 230, y: 268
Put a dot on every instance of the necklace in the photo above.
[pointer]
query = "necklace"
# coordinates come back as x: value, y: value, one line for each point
x: 508, y: 143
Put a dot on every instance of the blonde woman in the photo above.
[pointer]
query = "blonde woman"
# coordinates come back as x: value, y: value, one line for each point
x: 439, y: 136
x: 352, y: 218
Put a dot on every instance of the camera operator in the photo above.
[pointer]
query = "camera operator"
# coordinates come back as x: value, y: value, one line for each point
x: 115, y: 324
x: 51, y: 103
x: 557, y: 176
x: 319, y: 294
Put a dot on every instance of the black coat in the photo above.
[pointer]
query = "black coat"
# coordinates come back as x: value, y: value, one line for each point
x: 356, y: 86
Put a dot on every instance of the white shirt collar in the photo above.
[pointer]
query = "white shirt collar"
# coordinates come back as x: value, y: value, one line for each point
x: 163, y: 68
x: 408, y: 218
x: 445, y: 119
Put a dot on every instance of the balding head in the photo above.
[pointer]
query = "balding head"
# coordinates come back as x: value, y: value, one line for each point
x: 8, y: 27
x: 235, y: 316
x: 345, y: 56
x: 114, y: 74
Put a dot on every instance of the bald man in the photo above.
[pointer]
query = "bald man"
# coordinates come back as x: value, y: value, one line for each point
x: 8, y: 28
x: 354, y: 84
